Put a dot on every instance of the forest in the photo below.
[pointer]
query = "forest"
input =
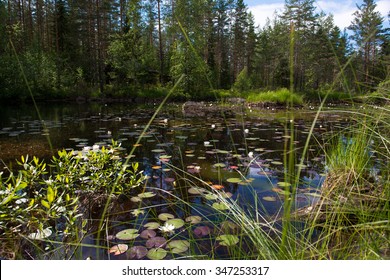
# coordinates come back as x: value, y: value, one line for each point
x: 118, y: 48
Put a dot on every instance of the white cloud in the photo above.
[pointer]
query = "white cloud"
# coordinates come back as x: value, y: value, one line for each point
x: 342, y: 11
x: 263, y: 11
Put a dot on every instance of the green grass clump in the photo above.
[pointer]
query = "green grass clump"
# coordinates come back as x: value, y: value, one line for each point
x: 281, y: 96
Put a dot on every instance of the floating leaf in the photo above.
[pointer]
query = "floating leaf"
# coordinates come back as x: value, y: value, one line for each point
x: 118, y: 249
x: 40, y: 234
x: 148, y: 233
x: 137, y: 252
x: 156, y: 167
x: 165, y: 216
x: 193, y: 219
x: 157, y: 242
x: 229, y: 227
x: 146, y: 195
x: 152, y: 225
x: 277, y: 163
x: 158, y: 151
x: 156, y: 254
x: 227, y: 240
x: 127, y: 234
x: 269, y: 198
x: 202, y: 231
x: 226, y: 194
x: 137, y: 212
x: 217, y: 187
x: 219, y: 165
x: 194, y: 190
x: 234, y: 180
x: 220, y: 206
x: 284, y: 184
x: 178, y: 246
x: 211, y: 196
x: 136, y: 199
x: 177, y: 223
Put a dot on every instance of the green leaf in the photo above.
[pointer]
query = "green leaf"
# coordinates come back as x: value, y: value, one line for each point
x: 177, y: 223
x: 227, y: 240
x: 127, y: 234
x: 165, y: 216
x: 194, y: 219
x: 234, y: 180
x: 220, y: 206
x: 146, y: 195
x: 178, y: 246
x: 45, y: 204
x: 152, y: 225
x: 50, y: 194
x: 156, y: 254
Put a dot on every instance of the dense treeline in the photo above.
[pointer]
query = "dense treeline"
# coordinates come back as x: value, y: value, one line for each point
x: 118, y: 47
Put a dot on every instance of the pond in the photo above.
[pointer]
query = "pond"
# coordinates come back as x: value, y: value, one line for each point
x: 233, y: 150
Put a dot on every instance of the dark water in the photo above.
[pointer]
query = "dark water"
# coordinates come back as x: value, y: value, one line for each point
x: 243, y: 143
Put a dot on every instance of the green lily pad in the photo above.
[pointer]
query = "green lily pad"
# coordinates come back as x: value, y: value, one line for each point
x: 269, y: 198
x: 127, y: 234
x: 146, y: 195
x: 195, y: 191
x: 219, y: 165
x: 40, y: 234
x: 165, y: 216
x: 193, y: 219
x: 152, y: 225
x: 284, y: 184
x: 227, y: 240
x: 177, y: 223
x: 178, y: 246
x: 211, y: 196
x: 156, y: 254
x: 229, y: 227
x: 118, y: 249
x: 137, y: 252
x: 158, y: 151
x: 220, y: 206
x: 234, y: 180
x: 136, y: 199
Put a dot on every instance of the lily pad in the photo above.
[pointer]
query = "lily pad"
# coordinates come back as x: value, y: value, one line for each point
x: 284, y: 184
x: 156, y: 242
x: 211, y: 196
x: 118, y: 249
x: 277, y: 163
x: 202, y: 231
x: 234, y: 180
x: 193, y: 219
x: 227, y: 240
x: 152, y: 225
x: 229, y: 227
x: 137, y: 252
x: 148, y: 233
x: 40, y: 234
x: 156, y: 254
x: 165, y: 216
x: 136, y: 199
x: 195, y: 191
x: 146, y: 195
x: 177, y: 223
x: 220, y: 206
x: 219, y: 165
x: 178, y: 246
x: 269, y: 198
x: 127, y: 234
x: 158, y: 151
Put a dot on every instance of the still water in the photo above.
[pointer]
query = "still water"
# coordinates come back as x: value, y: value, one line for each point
x: 239, y: 148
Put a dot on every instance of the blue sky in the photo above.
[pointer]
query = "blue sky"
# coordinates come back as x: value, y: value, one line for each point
x: 342, y: 10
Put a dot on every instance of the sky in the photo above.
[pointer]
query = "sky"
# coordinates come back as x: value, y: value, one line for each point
x: 342, y: 10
